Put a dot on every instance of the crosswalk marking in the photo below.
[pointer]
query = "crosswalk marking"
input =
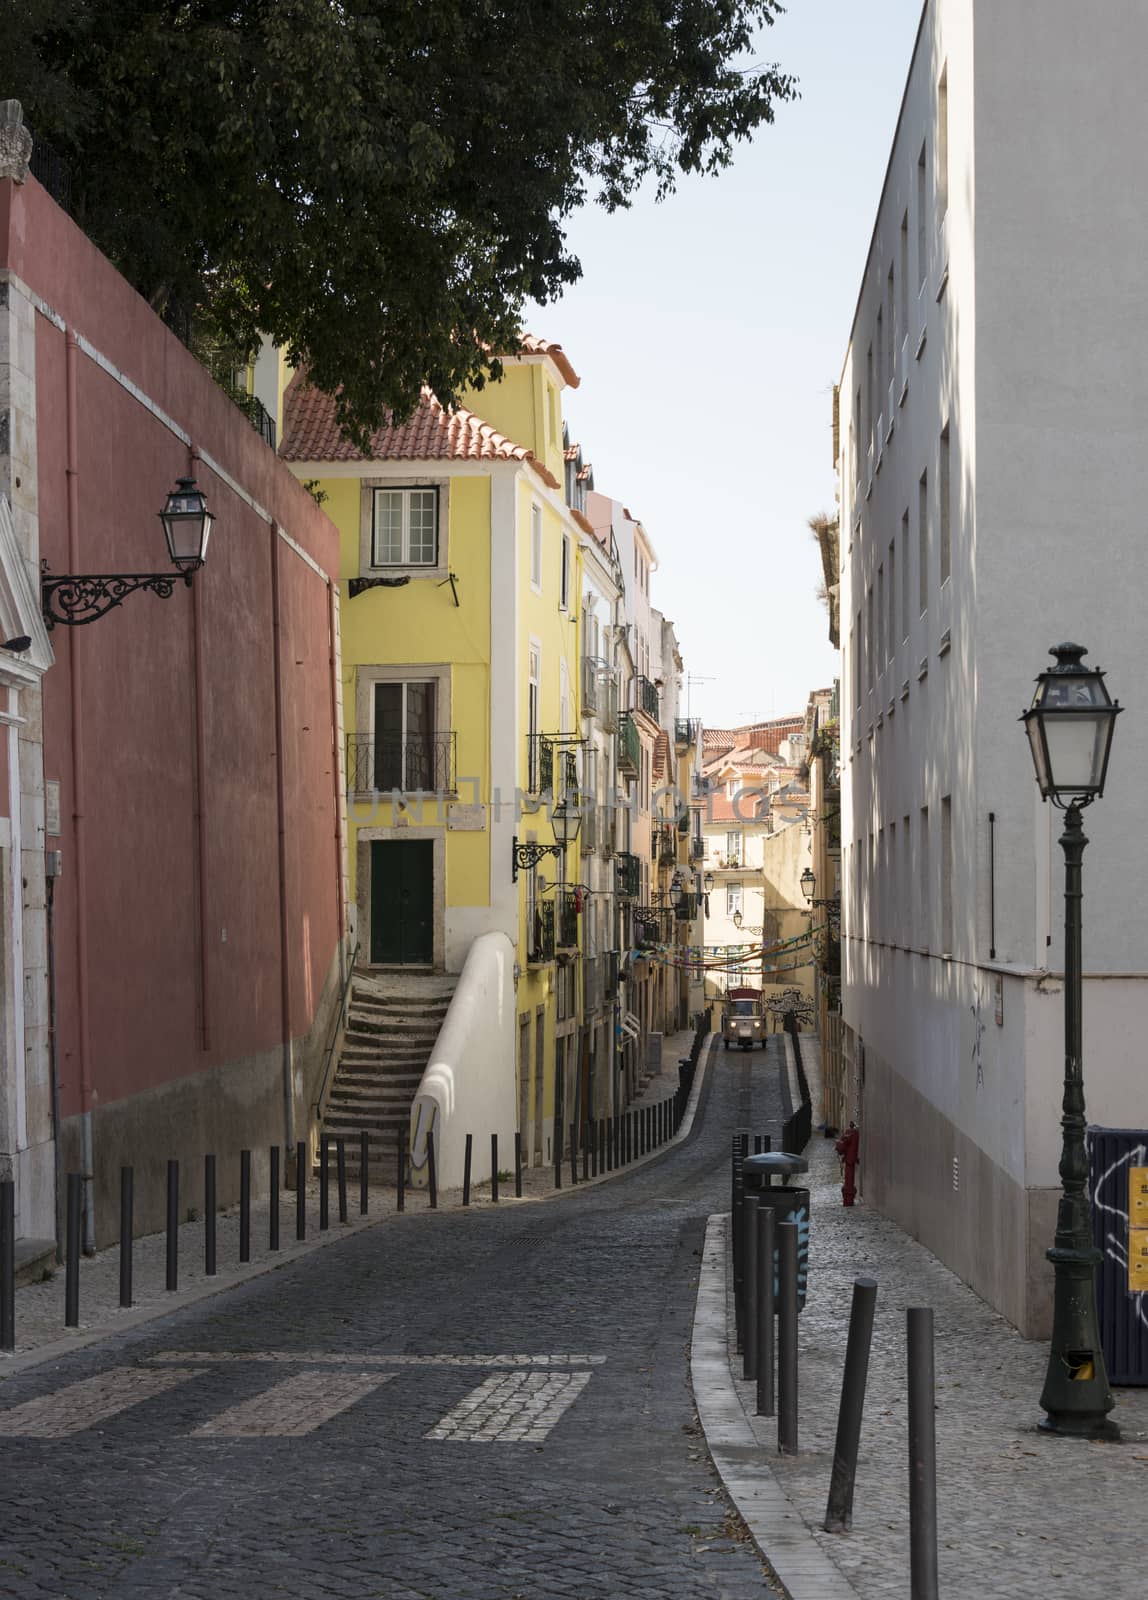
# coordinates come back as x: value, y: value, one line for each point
x: 81, y: 1405
x: 513, y: 1408
x: 294, y: 1407
x: 323, y: 1358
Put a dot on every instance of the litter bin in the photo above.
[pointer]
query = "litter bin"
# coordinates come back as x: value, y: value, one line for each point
x: 787, y: 1202
x: 1118, y: 1186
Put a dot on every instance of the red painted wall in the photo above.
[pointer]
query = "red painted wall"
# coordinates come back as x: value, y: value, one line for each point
x: 170, y: 994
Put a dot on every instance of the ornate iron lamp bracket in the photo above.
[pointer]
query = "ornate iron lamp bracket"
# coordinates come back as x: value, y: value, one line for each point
x: 527, y: 856
x: 76, y: 598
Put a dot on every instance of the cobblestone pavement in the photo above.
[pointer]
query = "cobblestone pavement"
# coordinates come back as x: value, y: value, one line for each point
x: 482, y: 1405
x: 1020, y: 1514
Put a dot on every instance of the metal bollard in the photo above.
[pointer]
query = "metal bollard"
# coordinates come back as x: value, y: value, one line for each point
x: 494, y: 1167
x: 587, y: 1146
x: 341, y: 1173
x: 466, y: 1157
x: 573, y: 1150
x: 603, y: 1125
x: 127, y: 1205
x: 401, y: 1175
x: 364, y: 1172
x: 209, y: 1210
x: 7, y: 1264
x: 301, y: 1189
x: 432, y: 1173
x: 72, y: 1259
x: 245, y: 1205
x: 324, y: 1183
x: 765, y: 1309
x: 839, y: 1509
x: 751, y: 1218
x: 517, y: 1164
x: 557, y: 1154
x: 173, y: 1225
x: 922, y: 1456
x: 787, y: 1339
x: 273, y: 1200
x: 736, y: 1251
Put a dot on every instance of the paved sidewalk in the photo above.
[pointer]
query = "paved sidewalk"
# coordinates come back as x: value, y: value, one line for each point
x: 1021, y: 1514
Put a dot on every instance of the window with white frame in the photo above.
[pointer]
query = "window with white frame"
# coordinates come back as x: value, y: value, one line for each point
x: 733, y: 847
x: 405, y: 528
x: 732, y: 899
x: 536, y: 547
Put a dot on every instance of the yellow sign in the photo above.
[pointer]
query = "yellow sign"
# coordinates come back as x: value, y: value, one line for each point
x: 1138, y: 1261
x: 1138, y: 1197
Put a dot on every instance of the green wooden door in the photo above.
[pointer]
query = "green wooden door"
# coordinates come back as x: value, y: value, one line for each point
x: 402, y: 902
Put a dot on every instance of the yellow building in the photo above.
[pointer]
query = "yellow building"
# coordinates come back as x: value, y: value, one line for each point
x: 460, y: 584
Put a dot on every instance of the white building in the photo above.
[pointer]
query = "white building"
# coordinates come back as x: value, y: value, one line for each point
x: 993, y: 480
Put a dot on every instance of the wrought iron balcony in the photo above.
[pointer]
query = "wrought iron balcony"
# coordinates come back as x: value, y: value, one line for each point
x: 697, y: 848
x: 629, y: 745
x: 653, y: 925
x: 540, y: 934
x: 686, y: 731
x: 567, y: 904
x: 646, y: 697
x: 628, y: 874
x: 539, y: 764
x: 687, y: 908
x: 408, y: 763
x: 666, y: 844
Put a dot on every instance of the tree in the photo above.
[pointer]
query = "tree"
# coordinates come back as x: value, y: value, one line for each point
x: 378, y: 187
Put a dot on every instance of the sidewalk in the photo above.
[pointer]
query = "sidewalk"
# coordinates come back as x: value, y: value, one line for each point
x: 1020, y: 1514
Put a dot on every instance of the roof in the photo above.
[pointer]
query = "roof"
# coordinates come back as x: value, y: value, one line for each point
x: 532, y: 345
x: 311, y: 432
x: 748, y: 806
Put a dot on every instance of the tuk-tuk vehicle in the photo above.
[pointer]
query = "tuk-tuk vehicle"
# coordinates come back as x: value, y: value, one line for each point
x: 743, y: 1019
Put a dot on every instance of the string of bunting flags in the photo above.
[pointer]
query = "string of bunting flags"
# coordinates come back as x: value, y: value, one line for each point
x: 786, y: 955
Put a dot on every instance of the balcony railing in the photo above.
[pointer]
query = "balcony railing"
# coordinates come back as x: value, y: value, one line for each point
x: 567, y: 903
x: 628, y: 874
x: 381, y: 763
x: 629, y: 745
x: 539, y: 764
x: 686, y: 731
x: 540, y: 934
x: 593, y: 984
x: 646, y: 697
x: 653, y: 925
x: 697, y: 848
x: 665, y: 844
x: 687, y: 908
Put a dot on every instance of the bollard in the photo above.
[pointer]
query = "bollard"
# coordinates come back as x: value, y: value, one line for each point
x: 401, y: 1176
x: 736, y: 1248
x: 273, y: 1200
x: 627, y: 1138
x: 592, y: 1141
x: 494, y: 1166
x: 209, y: 1209
x: 751, y: 1220
x: 765, y: 1309
x: 245, y: 1205
x: 127, y: 1206
x: 72, y: 1266
x: 341, y: 1173
x: 587, y: 1146
x: 364, y: 1172
x: 432, y: 1173
x: 839, y: 1509
x: 324, y: 1183
x: 922, y: 1456
x: 557, y: 1154
x: 573, y: 1151
x: 173, y: 1225
x: 466, y: 1170
x: 603, y: 1125
x: 517, y: 1164
x: 301, y: 1189
x: 787, y: 1339
x: 7, y: 1264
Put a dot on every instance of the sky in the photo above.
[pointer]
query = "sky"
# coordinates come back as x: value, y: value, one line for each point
x: 708, y: 332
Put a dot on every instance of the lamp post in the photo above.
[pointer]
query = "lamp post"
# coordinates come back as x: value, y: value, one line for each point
x: 1069, y: 727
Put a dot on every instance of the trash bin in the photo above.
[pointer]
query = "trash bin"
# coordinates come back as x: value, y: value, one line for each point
x: 1118, y: 1186
x: 787, y: 1202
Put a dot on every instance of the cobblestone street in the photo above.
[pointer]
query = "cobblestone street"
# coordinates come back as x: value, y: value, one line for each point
x: 451, y: 1406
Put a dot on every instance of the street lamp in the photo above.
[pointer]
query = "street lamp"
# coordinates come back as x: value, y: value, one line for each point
x: 1069, y: 727
x: 566, y: 820
x: 77, y: 598
x: 708, y: 883
x: 808, y: 884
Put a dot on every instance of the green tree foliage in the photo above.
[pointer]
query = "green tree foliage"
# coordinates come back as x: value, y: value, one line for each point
x: 379, y: 187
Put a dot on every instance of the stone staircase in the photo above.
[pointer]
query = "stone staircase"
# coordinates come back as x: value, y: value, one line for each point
x: 393, y: 1019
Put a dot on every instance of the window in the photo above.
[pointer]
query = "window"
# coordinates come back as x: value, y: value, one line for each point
x: 870, y: 414
x: 879, y: 636
x: 891, y: 336
x: 407, y: 750
x: 944, y: 526
x: 856, y: 634
x: 926, y: 929
x: 892, y: 899
x: 564, y: 593
x: 732, y: 899
x: 532, y: 708
x: 905, y: 574
x: 891, y: 640
x: 536, y: 547
x: 906, y: 881
x: 405, y: 528
x: 869, y: 651
x: 943, y: 144
x: 947, y: 875
x: 733, y: 848
x: 881, y: 887
x: 923, y: 540
x: 881, y: 378
x: 922, y: 191
x: 904, y: 324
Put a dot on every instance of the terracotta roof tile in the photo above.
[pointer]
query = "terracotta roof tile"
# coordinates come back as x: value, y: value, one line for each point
x: 311, y: 433
x: 532, y: 345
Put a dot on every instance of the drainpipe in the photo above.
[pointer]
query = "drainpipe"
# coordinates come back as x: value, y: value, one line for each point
x: 79, y: 843
x: 281, y: 815
x: 200, y: 795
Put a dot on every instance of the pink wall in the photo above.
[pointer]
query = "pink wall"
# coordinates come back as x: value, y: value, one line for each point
x: 168, y: 993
